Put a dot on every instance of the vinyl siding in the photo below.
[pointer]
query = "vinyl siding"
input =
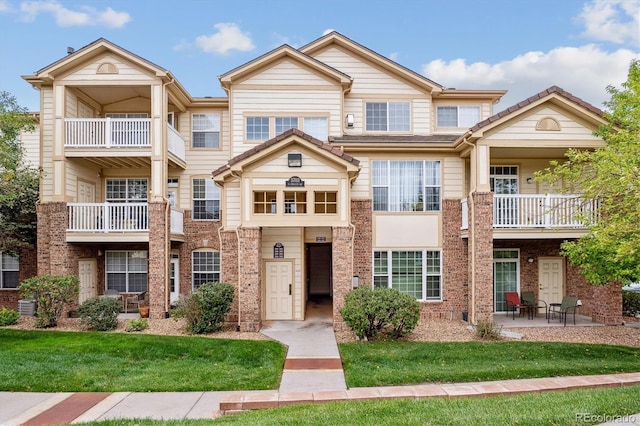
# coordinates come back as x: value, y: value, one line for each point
x: 286, y: 73
x: 525, y: 128
x: 360, y: 188
x: 46, y: 124
x: 453, y: 178
x: 126, y: 71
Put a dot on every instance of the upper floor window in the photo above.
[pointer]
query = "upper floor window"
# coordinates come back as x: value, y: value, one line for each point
x: 126, y: 115
x: 295, y: 202
x: 406, y: 186
x: 458, y: 116
x: 417, y: 273
x: 257, y: 128
x: 206, y: 131
x: 325, y: 202
x: 264, y: 202
x: 206, y: 200
x: 9, y: 271
x: 316, y: 127
x: 285, y: 123
x: 123, y: 190
x: 387, y: 117
x: 205, y: 267
x: 127, y: 270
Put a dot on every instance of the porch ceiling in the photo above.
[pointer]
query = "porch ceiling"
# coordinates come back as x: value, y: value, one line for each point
x: 118, y: 162
x: 113, y: 94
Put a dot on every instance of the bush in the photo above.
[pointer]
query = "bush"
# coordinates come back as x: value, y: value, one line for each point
x: 100, y: 313
x: 51, y: 294
x: 137, y: 325
x: 205, y: 308
x: 488, y: 330
x: 630, y: 303
x: 8, y: 317
x: 369, y: 312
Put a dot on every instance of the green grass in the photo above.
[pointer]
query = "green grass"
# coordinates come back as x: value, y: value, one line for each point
x: 549, y: 408
x: 54, y: 361
x: 394, y: 363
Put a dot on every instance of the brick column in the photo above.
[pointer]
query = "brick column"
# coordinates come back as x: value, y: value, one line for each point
x: 342, y: 247
x: 229, y: 273
x: 455, y: 264
x: 159, y: 249
x: 249, y: 279
x: 362, y: 219
x: 52, y: 239
x: 481, y: 256
x: 607, y: 304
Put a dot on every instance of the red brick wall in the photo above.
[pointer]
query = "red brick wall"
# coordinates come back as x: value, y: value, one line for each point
x: 249, y: 278
x: 480, y: 256
x: 159, y: 245
x: 229, y: 264
x: 28, y: 268
x: 342, y: 257
x: 362, y: 220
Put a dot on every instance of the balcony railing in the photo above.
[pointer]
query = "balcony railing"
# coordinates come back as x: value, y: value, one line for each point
x: 108, y: 217
x: 117, y: 217
x: 538, y: 211
x: 107, y: 132
x: 118, y: 133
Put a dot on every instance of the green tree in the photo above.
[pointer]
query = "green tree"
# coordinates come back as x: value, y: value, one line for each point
x: 19, y: 183
x: 610, y: 251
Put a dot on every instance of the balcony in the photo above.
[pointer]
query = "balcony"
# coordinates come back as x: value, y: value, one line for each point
x: 538, y: 212
x: 92, y: 222
x: 85, y: 135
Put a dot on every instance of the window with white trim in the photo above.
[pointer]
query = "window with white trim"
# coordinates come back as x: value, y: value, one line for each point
x: 9, y: 271
x: 126, y: 271
x: 388, y: 117
x: 316, y: 127
x: 206, y: 200
x: 417, y: 273
x: 406, y: 186
x: 458, y: 116
x: 205, y: 267
x: 205, y: 131
x: 257, y: 128
x: 285, y: 123
x: 126, y: 190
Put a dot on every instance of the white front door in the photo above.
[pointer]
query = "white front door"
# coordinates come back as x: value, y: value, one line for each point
x: 278, y: 290
x: 174, y: 280
x: 86, y: 192
x: 87, y: 275
x: 551, y: 279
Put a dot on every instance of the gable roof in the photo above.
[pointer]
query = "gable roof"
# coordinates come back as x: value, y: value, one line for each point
x: 284, y: 51
x: 294, y: 135
x: 338, y: 39
x: 553, y: 93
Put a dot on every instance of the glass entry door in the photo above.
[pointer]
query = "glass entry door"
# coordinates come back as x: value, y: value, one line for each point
x: 505, y: 276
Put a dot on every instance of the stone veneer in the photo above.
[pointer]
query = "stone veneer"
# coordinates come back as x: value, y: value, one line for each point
x: 342, y: 259
x: 480, y: 248
x: 362, y: 220
x: 249, y: 279
x: 159, y: 247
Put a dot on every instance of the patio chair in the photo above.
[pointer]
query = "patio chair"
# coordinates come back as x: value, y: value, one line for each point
x: 568, y: 306
x: 529, y: 298
x: 513, y: 302
x: 136, y: 300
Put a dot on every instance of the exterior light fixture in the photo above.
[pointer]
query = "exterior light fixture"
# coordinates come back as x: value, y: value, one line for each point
x: 294, y: 160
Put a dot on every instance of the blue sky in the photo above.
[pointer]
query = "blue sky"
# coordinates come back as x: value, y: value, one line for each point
x: 523, y: 46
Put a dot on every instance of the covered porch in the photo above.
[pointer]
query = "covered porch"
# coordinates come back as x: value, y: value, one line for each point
x: 506, y: 321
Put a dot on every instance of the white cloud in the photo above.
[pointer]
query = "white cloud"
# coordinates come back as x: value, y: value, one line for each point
x: 394, y: 56
x: 327, y: 31
x: 228, y: 37
x: 585, y: 71
x: 88, y: 16
x: 616, y: 21
x: 5, y: 6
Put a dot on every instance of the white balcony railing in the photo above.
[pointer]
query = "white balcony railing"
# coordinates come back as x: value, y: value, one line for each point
x: 175, y: 143
x: 107, y: 132
x: 542, y: 211
x: 108, y: 217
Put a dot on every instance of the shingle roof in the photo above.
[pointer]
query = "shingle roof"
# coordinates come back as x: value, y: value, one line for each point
x: 380, y: 139
x: 273, y: 141
x: 551, y: 90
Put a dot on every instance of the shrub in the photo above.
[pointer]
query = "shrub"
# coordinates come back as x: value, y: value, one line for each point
x: 488, y: 330
x: 137, y: 325
x: 205, y: 308
x: 100, y: 313
x: 8, y: 317
x: 369, y: 312
x: 630, y: 303
x: 51, y: 294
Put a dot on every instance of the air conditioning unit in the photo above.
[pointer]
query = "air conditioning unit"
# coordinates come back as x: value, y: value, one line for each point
x: 26, y: 307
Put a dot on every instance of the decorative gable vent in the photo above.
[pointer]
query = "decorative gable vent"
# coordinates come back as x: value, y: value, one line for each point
x: 548, y: 124
x: 107, y: 68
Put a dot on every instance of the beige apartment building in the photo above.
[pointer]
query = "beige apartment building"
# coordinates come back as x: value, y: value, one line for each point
x: 323, y: 168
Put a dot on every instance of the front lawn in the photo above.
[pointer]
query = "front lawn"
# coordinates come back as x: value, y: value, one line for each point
x: 55, y: 361
x: 397, y: 363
